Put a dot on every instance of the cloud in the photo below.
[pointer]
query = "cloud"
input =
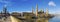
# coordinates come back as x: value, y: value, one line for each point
x: 51, y: 3
x: 4, y: 1
x: 26, y: 11
x: 20, y: 11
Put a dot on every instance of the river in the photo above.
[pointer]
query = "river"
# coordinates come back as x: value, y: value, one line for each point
x: 55, y: 19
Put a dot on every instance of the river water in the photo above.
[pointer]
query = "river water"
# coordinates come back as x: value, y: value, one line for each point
x: 55, y: 19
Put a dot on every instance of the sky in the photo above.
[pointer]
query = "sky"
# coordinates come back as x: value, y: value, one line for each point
x: 26, y: 5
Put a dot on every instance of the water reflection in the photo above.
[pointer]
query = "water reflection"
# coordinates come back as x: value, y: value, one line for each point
x: 55, y: 19
x: 42, y: 20
x: 29, y: 19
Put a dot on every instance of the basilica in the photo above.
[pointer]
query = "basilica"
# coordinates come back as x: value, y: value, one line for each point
x: 25, y: 16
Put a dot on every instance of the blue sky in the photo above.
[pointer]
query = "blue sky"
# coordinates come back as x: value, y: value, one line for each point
x: 26, y: 5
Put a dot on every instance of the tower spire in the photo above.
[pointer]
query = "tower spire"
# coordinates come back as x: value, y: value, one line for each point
x: 32, y: 10
x: 4, y: 9
x: 36, y: 9
x: 46, y: 11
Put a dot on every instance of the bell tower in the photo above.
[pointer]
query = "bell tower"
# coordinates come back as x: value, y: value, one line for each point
x: 5, y: 12
x: 32, y: 10
x: 4, y: 9
x: 46, y: 11
x: 36, y: 10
